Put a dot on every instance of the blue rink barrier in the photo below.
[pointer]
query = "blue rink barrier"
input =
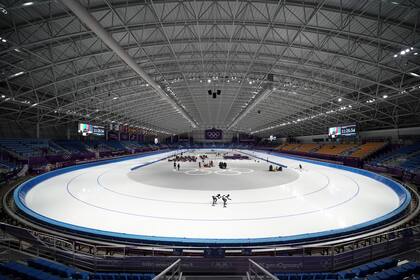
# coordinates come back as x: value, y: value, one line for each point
x: 403, y: 195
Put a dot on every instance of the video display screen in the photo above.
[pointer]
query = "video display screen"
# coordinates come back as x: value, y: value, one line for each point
x: 86, y: 129
x: 348, y: 130
x: 334, y: 132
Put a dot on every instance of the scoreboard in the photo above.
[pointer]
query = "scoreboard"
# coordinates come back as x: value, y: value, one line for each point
x: 348, y: 130
x: 86, y: 129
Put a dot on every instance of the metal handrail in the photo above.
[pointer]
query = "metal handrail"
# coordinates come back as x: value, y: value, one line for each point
x: 175, y: 265
x: 328, y: 244
x: 341, y: 242
x: 266, y: 273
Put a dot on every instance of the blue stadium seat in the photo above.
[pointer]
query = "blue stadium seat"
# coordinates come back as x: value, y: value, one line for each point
x: 25, y: 272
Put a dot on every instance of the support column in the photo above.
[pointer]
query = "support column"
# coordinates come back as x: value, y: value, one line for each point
x: 68, y: 132
x: 37, y: 130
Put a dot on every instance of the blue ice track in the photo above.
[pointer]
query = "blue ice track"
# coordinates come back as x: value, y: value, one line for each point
x: 403, y: 195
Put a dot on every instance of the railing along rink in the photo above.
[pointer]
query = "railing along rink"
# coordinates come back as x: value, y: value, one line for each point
x: 99, y: 255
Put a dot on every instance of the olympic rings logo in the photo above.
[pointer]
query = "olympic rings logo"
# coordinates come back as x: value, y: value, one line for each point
x: 213, y: 134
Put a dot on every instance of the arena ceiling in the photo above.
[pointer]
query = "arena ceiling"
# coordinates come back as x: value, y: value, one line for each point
x: 283, y: 67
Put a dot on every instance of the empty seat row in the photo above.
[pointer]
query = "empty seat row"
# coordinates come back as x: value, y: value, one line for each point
x: 122, y: 276
x: 57, y: 269
x: 20, y: 270
x: 306, y: 276
x: 38, y: 269
x: 397, y: 273
x: 369, y: 268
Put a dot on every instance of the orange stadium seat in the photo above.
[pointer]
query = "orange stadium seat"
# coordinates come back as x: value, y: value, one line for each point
x: 335, y: 149
x: 367, y: 149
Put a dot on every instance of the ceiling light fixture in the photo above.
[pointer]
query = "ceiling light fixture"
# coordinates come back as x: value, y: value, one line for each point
x: 27, y: 4
x: 16, y: 74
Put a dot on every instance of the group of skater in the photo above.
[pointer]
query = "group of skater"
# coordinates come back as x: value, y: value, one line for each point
x: 224, y: 198
x: 176, y: 166
x: 209, y: 164
x: 183, y: 158
x: 222, y: 165
x: 275, y: 168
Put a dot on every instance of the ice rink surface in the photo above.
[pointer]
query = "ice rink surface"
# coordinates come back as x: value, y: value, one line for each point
x: 156, y: 200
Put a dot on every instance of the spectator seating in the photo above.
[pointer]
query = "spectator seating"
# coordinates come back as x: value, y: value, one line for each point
x: 308, y: 148
x: 335, y: 149
x: 288, y: 147
x: 25, y: 148
x: 405, y: 157
x: 397, y: 273
x: 7, y: 166
x: 121, y: 276
x: 383, y: 269
x: 131, y: 145
x: 42, y: 269
x: 57, y: 269
x: 57, y: 149
x: 369, y: 268
x: 412, y: 163
x: 307, y: 276
x: 16, y: 269
x: 73, y: 146
x: 116, y: 145
x: 368, y: 149
x: 101, y: 146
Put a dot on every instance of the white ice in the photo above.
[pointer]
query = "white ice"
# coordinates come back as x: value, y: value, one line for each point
x: 113, y: 198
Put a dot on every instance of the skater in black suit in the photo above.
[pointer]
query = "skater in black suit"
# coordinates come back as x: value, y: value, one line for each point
x: 225, y: 198
x: 214, y: 200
